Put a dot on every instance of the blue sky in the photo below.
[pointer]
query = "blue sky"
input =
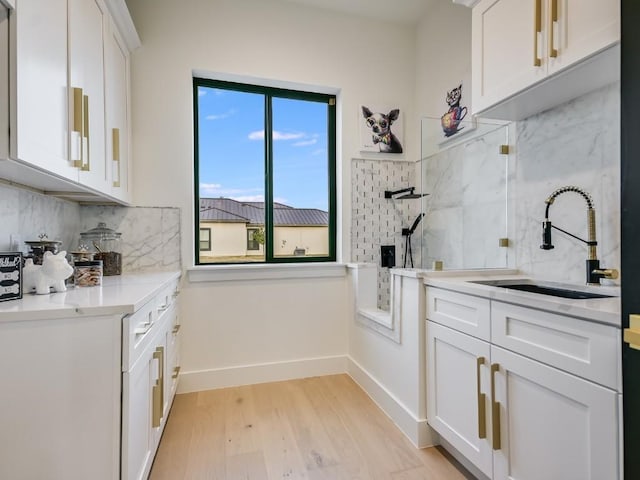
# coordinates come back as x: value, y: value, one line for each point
x: 231, y: 131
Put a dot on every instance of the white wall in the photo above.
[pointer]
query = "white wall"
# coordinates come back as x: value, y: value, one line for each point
x: 259, y: 322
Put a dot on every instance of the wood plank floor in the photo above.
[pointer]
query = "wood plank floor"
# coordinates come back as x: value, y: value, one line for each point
x: 314, y: 428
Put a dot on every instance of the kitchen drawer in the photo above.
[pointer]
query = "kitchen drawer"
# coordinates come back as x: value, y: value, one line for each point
x: 586, y: 349
x: 465, y: 313
x: 137, y: 331
x: 167, y: 296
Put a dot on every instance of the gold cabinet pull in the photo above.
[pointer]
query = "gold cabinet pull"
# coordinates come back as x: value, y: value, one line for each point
x: 158, y: 389
x: 86, y: 160
x: 537, y: 28
x: 176, y: 372
x: 553, y: 19
x: 482, y: 414
x: 78, y: 125
x: 176, y: 329
x: 632, y: 334
x: 115, y: 145
x: 495, y: 408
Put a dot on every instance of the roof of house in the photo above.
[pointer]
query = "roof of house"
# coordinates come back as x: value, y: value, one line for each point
x: 227, y: 210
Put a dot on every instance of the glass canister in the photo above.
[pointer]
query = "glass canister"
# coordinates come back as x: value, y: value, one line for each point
x: 87, y: 273
x: 107, y: 247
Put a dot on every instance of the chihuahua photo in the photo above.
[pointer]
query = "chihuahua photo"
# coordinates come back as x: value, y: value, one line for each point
x: 380, y: 126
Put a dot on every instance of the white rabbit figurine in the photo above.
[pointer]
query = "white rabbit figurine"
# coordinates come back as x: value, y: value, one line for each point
x: 52, y: 273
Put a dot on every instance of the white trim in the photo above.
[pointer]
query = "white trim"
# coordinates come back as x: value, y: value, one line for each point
x: 272, y: 271
x: 416, y: 429
x: 122, y: 18
x: 260, y: 373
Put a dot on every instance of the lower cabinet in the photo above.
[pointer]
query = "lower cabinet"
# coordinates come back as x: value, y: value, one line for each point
x: 514, y: 417
x: 148, y: 389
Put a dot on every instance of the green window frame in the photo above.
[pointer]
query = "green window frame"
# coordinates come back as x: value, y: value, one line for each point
x: 269, y: 94
x: 204, y: 243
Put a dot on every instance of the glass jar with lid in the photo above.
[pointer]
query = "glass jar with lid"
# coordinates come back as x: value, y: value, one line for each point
x: 107, y: 247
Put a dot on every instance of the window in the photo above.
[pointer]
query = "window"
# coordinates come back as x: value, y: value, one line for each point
x: 264, y: 173
x: 205, y: 239
x: 254, y: 238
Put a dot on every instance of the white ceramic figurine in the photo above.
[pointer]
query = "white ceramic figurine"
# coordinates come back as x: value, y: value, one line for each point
x: 51, y: 274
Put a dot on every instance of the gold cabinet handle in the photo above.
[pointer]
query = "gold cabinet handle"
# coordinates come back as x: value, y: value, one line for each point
x: 631, y: 335
x: 495, y: 408
x: 86, y: 160
x: 78, y: 125
x: 537, y: 28
x: 553, y: 18
x: 176, y: 372
x: 482, y: 414
x: 176, y: 329
x: 115, y: 145
x: 158, y: 389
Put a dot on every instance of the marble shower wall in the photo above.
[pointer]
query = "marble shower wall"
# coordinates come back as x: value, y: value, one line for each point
x: 466, y: 210
x: 31, y: 214
x: 150, y: 235
x: 377, y: 221
x: 577, y: 143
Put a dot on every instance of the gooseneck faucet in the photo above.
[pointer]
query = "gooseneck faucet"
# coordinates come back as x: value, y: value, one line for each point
x: 594, y: 272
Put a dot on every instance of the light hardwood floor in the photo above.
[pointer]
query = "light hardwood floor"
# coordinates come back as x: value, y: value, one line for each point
x: 314, y: 428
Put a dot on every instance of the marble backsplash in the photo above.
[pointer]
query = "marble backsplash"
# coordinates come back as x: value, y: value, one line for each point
x: 577, y: 143
x: 150, y: 235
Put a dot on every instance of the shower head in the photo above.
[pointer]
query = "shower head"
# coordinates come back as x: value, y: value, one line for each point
x: 408, y: 193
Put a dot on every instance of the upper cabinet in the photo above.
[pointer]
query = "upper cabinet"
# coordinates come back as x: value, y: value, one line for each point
x: 529, y: 55
x: 69, y: 113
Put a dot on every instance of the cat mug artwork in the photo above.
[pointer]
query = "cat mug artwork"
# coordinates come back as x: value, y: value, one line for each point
x: 450, y: 121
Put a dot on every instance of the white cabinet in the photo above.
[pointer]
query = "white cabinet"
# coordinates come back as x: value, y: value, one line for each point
x: 519, y: 43
x: 458, y: 397
x: 39, y: 110
x: 60, y: 398
x: 69, y: 98
x: 86, y: 84
x: 149, y: 380
x: 117, y: 113
x: 552, y: 424
x: 525, y: 413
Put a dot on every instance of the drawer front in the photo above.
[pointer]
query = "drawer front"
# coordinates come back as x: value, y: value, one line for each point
x: 166, y: 297
x: 586, y: 349
x: 465, y: 313
x: 137, y: 331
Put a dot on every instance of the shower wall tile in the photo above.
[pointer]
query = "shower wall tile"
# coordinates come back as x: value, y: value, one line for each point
x: 379, y: 221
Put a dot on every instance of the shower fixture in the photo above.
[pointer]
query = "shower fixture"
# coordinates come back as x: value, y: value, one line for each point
x: 407, y: 232
x: 408, y: 193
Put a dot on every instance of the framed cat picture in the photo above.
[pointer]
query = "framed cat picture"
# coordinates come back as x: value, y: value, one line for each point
x: 454, y: 121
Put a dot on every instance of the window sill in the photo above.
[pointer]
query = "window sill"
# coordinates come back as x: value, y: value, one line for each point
x: 285, y: 271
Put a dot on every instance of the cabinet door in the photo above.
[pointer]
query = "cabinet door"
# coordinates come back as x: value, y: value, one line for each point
x: 552, y: 424
x: 504, y: 49
x: 117, y: 113
x: 457, y: 393
x: 141, y: 411
x: 86, y: 72
x: 582, y: 28
x: 173, y: 357
x: 39, y: 93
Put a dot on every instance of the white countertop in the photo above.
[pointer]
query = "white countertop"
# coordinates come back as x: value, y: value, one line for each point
x: 604, y: 310
x: 119, y: 294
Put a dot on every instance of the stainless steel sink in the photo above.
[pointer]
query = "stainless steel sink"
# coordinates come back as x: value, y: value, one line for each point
x: 531, y: 287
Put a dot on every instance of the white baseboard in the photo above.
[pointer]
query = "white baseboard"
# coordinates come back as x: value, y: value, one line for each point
x: 416, y: 429
x: 196, y: 381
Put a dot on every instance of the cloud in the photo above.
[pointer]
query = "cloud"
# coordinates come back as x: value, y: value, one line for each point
x: 305, y: 143
x: 221, y: 116
x: 216, y: 190
x: 259, y: 135
x: 319, y: 151
x: 201, y: 92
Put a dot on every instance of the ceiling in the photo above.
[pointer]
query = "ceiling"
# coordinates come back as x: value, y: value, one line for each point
x: 401, y: 11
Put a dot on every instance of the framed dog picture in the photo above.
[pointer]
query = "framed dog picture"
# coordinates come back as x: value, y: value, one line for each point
x: 380, y: 129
